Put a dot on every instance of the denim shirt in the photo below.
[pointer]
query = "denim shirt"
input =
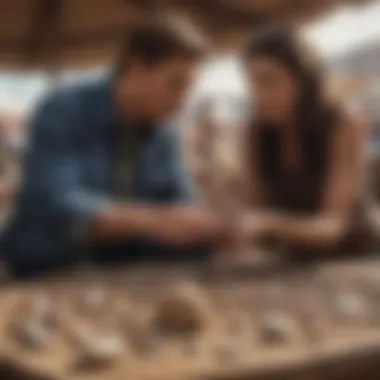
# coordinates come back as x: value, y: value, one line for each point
x: 68, y: 170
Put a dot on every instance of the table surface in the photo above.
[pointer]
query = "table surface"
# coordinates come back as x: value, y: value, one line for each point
x: 321, y: 340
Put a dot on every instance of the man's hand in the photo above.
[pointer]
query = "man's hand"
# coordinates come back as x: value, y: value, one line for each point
x: 185, y: 224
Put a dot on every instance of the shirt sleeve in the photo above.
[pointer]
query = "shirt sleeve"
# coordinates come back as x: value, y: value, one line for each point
x: 182, y: 185
x: 54, y: 175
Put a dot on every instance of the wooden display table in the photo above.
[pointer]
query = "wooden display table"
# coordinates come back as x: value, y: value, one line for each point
x: 318, y: 323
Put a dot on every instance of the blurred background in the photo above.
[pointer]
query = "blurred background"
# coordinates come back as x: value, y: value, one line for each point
x: 45, y: 42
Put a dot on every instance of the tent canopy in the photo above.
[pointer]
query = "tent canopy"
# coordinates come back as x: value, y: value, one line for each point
x: 61, y: 33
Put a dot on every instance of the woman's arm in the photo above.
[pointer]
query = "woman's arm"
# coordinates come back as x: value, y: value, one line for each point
x: 344, y: 177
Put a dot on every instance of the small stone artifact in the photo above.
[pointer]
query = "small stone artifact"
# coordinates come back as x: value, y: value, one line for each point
x: 35, y: 323
x: 98, y: 350
x: 184, y: 310
x: 32, y: 334
x: 350, y: 306
x: 277, y: 327
x: 92, y: 300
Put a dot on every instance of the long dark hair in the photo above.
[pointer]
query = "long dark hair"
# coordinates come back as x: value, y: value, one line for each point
x: 315, y: 113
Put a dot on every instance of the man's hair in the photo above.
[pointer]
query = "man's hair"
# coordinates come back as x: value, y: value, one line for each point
x: 161, y: 38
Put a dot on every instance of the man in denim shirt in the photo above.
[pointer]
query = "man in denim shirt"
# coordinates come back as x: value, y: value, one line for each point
x: 103, y: 177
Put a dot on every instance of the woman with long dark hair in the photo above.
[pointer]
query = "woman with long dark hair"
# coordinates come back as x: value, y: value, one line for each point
x: 306, y: 155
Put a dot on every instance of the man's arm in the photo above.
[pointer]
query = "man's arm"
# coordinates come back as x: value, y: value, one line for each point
x: 55, y: 187
x: 177, y: 220
x: 54, y: 180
